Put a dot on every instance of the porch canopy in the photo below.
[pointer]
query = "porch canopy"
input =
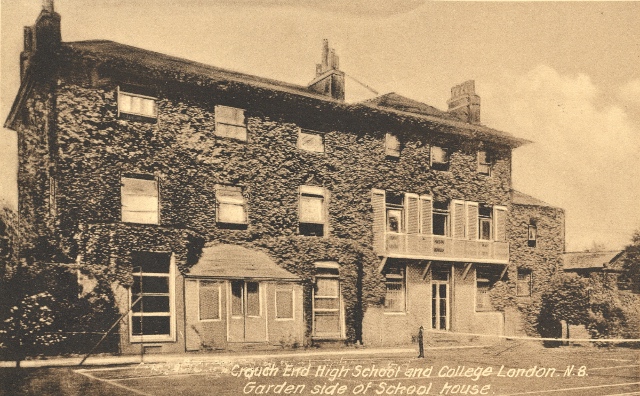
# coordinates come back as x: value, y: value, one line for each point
x: 237, y: 262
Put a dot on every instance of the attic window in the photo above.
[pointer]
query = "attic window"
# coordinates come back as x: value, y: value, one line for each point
x: 310, y: 141
x: 440, y: 157
x: 230, y: 123
x: 136, y: 105
x: 391, y: 146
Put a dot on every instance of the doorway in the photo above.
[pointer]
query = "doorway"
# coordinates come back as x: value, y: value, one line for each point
x: 247, y: 319
x: 440, y: 306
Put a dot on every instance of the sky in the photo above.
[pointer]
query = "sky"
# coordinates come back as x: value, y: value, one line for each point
x: 565, y: 75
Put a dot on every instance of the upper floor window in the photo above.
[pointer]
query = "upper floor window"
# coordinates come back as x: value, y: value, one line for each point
x: 140, y: 200
x: 310, y: 141
x: 394, y: 300
x: 523, y: 284
x: 230, y: 123
x: 485, y: 222
x: 441, y: 218
x: 440, y: 157
x: 532, y: 234
x: 395, y: 212
x: 485, y: 162
x: 313, y: 211
x: 136, y: 104
x: 231, y: 205
x: 391, y: 145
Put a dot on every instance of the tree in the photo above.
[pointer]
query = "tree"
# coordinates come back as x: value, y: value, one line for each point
x: 25, y: 308
x: 630, y: 276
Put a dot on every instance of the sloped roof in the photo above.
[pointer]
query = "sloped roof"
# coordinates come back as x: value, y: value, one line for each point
x: 402, y: 103
x: 520, y: 198
x: 184, y: 70
x: 588, y: 260
x: 237, y: 262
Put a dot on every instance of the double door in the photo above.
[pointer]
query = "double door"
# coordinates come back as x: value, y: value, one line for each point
x: 247, y: 316
x: 440, y: 304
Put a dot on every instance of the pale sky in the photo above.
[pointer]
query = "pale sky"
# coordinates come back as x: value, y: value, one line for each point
x: 564, y: 75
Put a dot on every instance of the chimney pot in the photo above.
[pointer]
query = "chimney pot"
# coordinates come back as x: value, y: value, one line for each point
x: 329, y: 78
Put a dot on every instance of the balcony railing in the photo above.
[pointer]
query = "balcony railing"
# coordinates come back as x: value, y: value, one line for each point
x: 436, y: 247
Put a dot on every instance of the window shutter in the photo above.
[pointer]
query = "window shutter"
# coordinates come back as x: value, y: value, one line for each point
x: 472, y: 220
x: 457, y: 209
x: 500, y: 218
x: 378, y: 204
x: 412, y: 213
x: 426, y: 214
x: 191, y: 314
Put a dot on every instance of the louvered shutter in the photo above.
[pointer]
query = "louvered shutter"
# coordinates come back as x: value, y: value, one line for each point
x: 191, y: 314
x: 458, y: 224
x: 472, y: 220
x: 378, y: 204
x: 412, y: 213
x: 426, y: 214
x: 500, y: 221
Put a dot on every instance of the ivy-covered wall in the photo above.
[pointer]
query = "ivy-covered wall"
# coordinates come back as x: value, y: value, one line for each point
x: 543, y: 260
x: 91, y: 148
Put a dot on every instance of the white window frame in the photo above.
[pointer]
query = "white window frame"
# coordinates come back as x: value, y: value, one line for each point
x: 318, y: 193
x: 328, y: 267
x: 293, y: 300
x: 222, y: 199
x: 124, y: 213
x: 225, y: 121
x: 486, y: 219
x: 448, y: 218
x: 121, y: 94
x: 171, y: 337
x: 219, y: 285
x: 392, y: 145
x: 301, y: 144
x: 485, y: 168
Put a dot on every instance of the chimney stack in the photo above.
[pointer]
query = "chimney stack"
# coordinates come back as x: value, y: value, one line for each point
x: 329, y: 78
x: 43, y: 39
x: 464, y: 102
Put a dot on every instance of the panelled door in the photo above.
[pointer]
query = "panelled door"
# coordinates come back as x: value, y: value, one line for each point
x: 247, y: 316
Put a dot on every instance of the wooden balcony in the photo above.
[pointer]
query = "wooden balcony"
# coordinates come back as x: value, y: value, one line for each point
x: 436, y: 247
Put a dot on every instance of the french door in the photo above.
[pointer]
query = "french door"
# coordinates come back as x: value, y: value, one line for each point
x: 247, y: 319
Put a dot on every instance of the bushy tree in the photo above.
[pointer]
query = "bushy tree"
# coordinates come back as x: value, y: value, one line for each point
x: 566, y: 298
x: 630, y: 277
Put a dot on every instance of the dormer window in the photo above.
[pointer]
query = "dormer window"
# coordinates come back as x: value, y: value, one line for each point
x: 391, y: 146
x: 230, y: 123
x: 136, y: 105
x: 485, y: 162
x: 310, y: 141
x: 440, y: 157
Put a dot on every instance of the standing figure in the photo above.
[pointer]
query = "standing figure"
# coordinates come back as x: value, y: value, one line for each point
x: 421, y: 342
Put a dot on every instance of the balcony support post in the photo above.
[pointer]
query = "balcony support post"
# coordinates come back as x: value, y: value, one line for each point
x: 426, y: 270
x: 504, y: 271
x: 466, y: 270
x: 382, y: 264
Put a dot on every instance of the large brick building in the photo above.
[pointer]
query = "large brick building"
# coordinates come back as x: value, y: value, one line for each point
x: 228, y: 208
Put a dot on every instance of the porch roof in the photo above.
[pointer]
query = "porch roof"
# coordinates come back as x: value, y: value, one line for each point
x: 237, y: 262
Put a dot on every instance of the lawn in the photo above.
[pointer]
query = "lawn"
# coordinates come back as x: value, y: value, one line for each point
x: 510, y: 368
